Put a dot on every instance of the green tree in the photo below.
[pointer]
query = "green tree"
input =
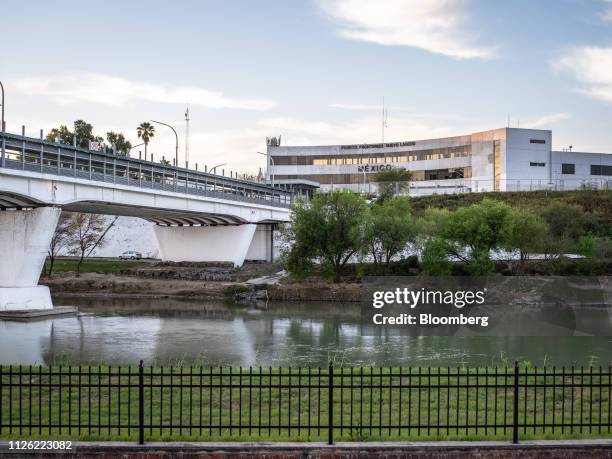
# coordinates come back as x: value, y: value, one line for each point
x: 475, y: 230
x: 567, y: 225
x: 146, y: 131
x: 83, y: 132
x: 63, y: 133
x: 434, y: 258
x: 118, y: 141
x: 330, y: 229
x: 390, y: 228
x: 525, y: 232
x: 392, y: 182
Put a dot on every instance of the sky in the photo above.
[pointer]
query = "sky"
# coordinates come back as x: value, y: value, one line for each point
x: 312, y: 71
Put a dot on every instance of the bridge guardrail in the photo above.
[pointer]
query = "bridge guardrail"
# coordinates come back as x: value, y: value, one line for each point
x: 37, y: 155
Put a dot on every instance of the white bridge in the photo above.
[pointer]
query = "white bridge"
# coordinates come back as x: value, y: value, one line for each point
x: 198, y: 216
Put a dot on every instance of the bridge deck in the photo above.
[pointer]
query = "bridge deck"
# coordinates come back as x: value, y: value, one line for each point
x: 37, y: 155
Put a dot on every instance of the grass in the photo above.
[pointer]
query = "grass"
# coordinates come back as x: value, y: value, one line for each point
x: 421, y: 404
x: 93, y: 266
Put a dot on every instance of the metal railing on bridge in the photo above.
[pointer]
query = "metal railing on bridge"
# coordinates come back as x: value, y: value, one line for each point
x: 38, y: 155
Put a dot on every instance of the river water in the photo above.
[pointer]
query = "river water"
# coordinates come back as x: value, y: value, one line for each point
x: 173, y: 332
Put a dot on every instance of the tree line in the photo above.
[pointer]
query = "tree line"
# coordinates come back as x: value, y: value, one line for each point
x: 341, y: 227
x: 82, y: 134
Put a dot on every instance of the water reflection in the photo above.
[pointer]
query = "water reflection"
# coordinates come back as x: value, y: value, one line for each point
x: 164, y: 331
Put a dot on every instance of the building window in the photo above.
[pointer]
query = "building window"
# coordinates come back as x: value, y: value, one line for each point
x: 600, y: 170
x: 537, y: 141
x: 567, y: 168
x: 537, y: 164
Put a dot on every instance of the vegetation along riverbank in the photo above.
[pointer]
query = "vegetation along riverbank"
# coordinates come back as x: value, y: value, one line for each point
x: 340, y: 237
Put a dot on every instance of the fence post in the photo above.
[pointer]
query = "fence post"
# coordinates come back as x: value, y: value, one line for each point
x: 330, y: 404
x: 141, y: 403
x: 515, y: 427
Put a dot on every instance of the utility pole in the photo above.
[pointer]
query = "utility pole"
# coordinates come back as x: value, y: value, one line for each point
x: 187, y: 137
x: 384, y: 120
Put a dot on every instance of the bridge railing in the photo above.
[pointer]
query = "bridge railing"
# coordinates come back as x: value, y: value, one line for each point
x: 37, y: 155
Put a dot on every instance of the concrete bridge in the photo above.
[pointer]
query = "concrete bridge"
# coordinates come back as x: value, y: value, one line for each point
x: 198, y: 216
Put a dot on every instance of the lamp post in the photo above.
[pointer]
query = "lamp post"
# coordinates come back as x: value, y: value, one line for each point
x: 2, y: 89
x: 272, y: 161
x: 214, y: 168
x: 136, y: 146
x: 176, y: 163
x: 2, y: 127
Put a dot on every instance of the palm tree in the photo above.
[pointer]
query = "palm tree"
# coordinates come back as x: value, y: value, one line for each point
x: 146, y: 131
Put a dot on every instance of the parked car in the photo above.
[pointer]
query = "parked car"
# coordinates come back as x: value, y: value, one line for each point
x: 130, y: 255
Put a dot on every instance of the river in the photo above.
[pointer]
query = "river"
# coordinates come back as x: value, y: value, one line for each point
x: 172, y: 332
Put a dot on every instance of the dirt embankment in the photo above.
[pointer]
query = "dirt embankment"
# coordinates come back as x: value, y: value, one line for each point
x: 317, y: 290
x: 113, y: 284
x: 200, y: 282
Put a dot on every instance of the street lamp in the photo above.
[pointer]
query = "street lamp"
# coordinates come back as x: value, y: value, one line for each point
x: 175, y: 135
x: 272, y: 161
x: 212, y: 169
x: 136, y: 146
x: 2, y: 125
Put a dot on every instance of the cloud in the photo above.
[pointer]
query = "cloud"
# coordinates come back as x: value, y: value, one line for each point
x: 118, y: 92
x: 297, y: 131
x: 355, y: 107
x: 547, y: 120
x: 592, y: 67
x: 437, y: 26
x: 606, y: 16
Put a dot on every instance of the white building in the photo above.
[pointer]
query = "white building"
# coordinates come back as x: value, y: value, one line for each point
x: 505, y: 159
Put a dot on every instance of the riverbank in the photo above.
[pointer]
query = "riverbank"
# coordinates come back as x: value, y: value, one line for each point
x: 201, y: 285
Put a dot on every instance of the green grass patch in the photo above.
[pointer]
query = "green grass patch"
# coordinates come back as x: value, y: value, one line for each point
x: 93, y: 266
x: 391, y: 404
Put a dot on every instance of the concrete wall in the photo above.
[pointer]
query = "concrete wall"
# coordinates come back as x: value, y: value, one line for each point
x: 25, y: 236
x: 567, y: 449
x: 261, y: 245
x: 521, y: 152
x: 24, y: 240
x: 204, y: 243
x: 582, y: 162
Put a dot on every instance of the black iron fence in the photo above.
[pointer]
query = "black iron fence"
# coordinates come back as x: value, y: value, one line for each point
x: 188, y: 403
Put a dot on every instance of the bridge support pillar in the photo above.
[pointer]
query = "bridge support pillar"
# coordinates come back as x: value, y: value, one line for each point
x: 25, y: 236
x: 205, y: 243
x: 262, y: 245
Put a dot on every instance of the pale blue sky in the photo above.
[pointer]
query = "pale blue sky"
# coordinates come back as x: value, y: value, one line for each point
x: 314, y: 70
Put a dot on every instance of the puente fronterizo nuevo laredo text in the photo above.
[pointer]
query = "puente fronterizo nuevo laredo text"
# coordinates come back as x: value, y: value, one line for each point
x: 198, y: 216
